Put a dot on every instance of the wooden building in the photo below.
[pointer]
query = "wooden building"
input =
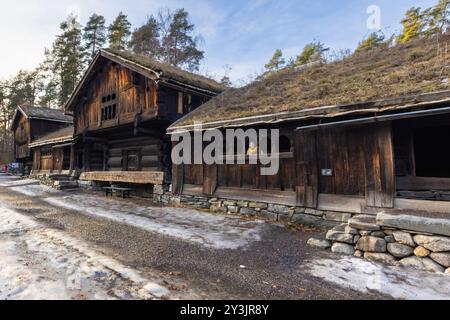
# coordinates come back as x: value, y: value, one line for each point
x: 122, y: 108
x: 31, y: 123
x: 371, y: 131
x: 53, y: 153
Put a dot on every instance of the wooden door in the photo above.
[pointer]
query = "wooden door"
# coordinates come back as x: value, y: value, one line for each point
x: 306, y: 169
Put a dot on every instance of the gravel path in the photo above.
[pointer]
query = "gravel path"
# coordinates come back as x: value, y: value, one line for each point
x: 190, y: 254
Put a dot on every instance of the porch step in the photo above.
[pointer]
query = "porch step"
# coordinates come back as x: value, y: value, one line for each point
x: 364, y: 222
x: 417, y: 223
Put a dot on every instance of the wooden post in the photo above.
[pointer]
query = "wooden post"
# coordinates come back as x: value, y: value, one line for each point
x: 72, y: 159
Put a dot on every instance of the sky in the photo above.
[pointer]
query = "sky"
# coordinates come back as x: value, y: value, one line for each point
x: 237, y: 34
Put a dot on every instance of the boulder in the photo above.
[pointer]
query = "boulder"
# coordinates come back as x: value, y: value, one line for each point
x: 371, y: 244
x: 356, y: 239
x: 421, y: 252
x: 365, y: 233
x: 317, y: 243
x: 447, y: 270
x: 415, y: 223
x: 339, y: 236
x: 272, y: 216
x: 380, y: 257
x: 421, y: 264
x: 305, y: 219
x: 343, y: 248
x: 278, y: 209
x: 389, y: 239
x: 364, y: 222
x: 404, y: 238
x: 442, y: 258
x: 432, y: 243
x: 399, y: 250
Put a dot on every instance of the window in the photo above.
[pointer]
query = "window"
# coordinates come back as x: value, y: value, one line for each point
x: 285, y: 144
x: 109, y: 107
x: 132, y: 159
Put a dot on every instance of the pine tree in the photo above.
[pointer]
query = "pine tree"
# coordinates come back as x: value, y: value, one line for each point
x: 94, y: 34
x: 119, y: 32
x: 311, y: 52
x: 68, y: 58
x: 437, y: 18
x: 144, y: 40
x: 179, y: 46
x: 276, y: 63
x: 413, y: 25
x: 374, y: 40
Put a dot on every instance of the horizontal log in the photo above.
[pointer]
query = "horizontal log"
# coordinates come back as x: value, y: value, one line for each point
x: 422, y: 183
x: 138, y: 177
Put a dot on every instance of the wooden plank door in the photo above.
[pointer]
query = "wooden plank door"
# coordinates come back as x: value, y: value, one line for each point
x: 307, y: 186
x: 210, y: 175
x: 379, y: 163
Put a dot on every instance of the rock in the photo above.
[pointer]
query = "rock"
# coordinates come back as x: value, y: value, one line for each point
x: 364, y: 222
x: 337, y: 216
x: 268, y: 215
x: 399, y: 250
x: 229, y: 203
x: 343, y: 248
x: 421, y: 252
x: 278, y: 209
x: 447, y: 270
x: 371, y: 244
x: 305, y: 219
x: 258, y: 205
x: 378, y: 234
x: 339, y: 236
x: 242, y: 203
x: 404, y: 238
x: 365, y: 233
x: 233, y: 209
x: 314, y: 212
x: 356, y: 239
x: 442, y: 258
x: 415, y: 223
x: 389, y: 239
x: 435, y: 244
x: 247, y: 211
x: 299, y: 210
x: 380, y: 257
x: 388, y: 232
x: 359, y: 253
x: 340, y: 228
x: 350, y: 230
x: 321, y: 244
x: 285, y: 218
x: 421, y: 264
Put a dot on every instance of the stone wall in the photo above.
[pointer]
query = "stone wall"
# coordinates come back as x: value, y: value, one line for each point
x: 367, y: 237
x: 263, y: 210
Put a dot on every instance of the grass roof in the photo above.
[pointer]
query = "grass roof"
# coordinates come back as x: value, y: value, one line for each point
x: 420, y: 66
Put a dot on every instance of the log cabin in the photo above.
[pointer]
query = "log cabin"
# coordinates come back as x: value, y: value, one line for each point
x: 30, y: 123
x: 122, y: 108
x: 368, y: 133
x: 53, y: 153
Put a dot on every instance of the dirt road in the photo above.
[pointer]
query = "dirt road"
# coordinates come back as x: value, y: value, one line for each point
x: 77, y: 245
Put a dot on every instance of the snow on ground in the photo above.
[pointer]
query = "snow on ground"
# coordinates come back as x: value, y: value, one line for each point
x: 366, y: 276
x: 41, y: 263
x: 213, y: 231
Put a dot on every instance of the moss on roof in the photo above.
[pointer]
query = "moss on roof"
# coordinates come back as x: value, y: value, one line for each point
x: 420, y: 66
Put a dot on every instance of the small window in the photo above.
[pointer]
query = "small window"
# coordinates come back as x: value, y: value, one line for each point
x: 285, y: 144
x: 109, y: 107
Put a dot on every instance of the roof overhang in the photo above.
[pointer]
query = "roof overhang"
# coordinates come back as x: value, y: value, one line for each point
x: 59, y: 140
x: 399, y: 104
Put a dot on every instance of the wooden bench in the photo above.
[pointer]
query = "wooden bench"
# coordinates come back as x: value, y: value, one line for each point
x: 125, y: 192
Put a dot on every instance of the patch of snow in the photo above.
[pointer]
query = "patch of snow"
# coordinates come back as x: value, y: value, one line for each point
x: 213, y: 231
x: 12, y: 182
x: 35, y: 190
x: 366, y: 276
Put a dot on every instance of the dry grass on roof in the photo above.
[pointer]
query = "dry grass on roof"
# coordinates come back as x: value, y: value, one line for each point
x: 420, y: 66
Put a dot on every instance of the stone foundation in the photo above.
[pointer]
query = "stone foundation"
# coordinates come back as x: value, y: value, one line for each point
x: 368, y: 237
x: 262, y: 210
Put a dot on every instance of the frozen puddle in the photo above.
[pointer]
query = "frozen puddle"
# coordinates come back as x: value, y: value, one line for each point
x: 41, y: 263
x: 366, y: 276
x: 213, y: 231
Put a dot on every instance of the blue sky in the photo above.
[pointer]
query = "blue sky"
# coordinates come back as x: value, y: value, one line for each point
x: 238, y: 33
